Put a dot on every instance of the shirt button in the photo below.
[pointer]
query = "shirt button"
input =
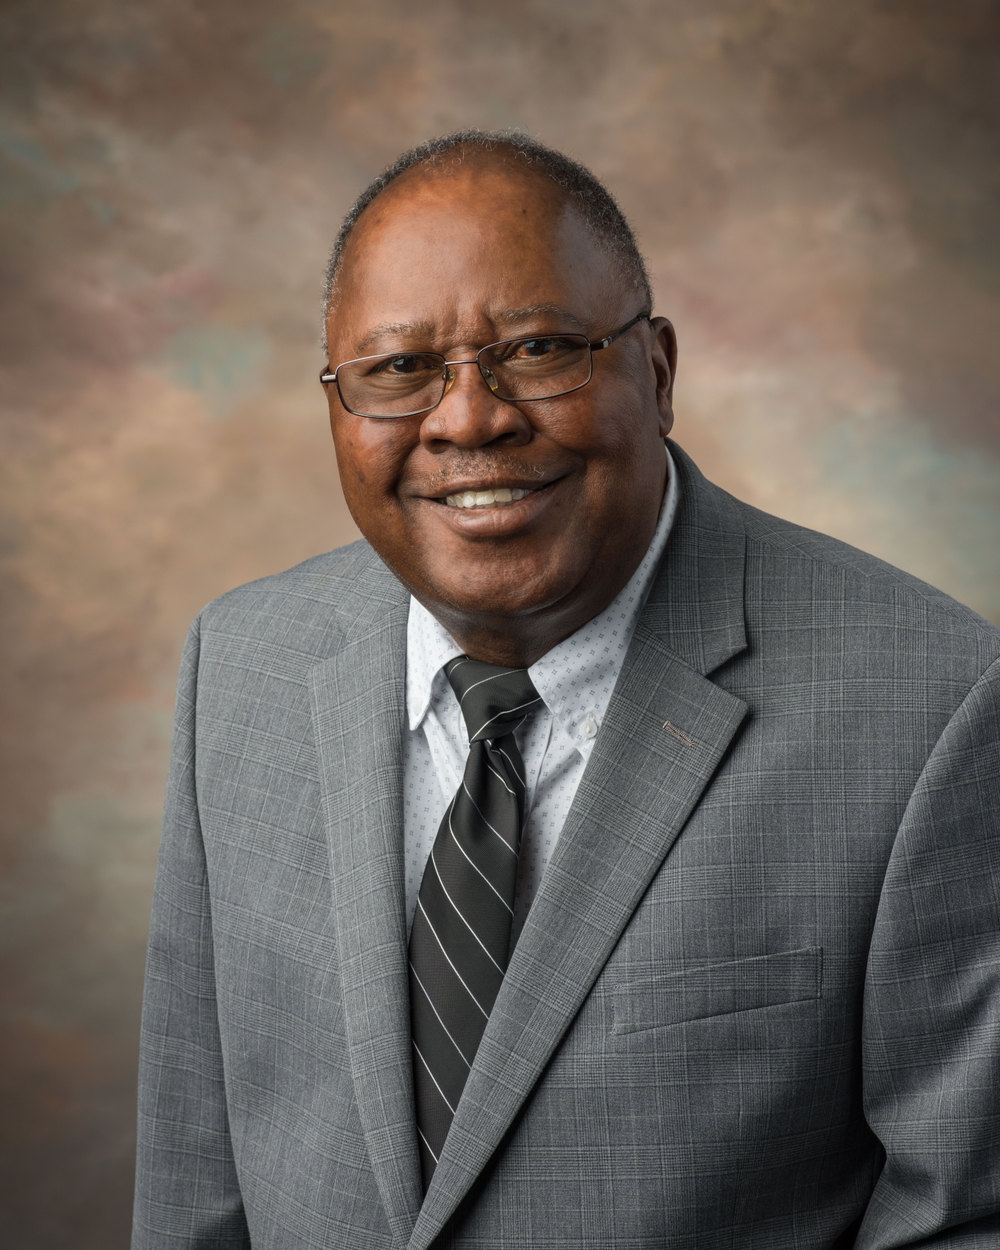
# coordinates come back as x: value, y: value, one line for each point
x: 589, y: 727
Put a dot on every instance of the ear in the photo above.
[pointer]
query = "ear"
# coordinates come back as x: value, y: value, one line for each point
x: 664, y: 355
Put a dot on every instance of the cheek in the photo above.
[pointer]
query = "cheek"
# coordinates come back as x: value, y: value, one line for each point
x: 369, y: 457
x: 620, y: 443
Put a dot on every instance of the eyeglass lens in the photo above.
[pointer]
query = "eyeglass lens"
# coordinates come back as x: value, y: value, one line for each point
x: 410, y: 383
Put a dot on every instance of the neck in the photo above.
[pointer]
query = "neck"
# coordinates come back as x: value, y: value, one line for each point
x: 510, y: 647
x: 518, y: 640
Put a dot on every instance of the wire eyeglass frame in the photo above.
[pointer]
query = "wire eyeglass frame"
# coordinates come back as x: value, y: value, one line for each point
x: 447, y: 377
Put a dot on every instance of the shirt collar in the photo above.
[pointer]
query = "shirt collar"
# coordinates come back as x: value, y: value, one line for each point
x: 577, y: 677
x: 429, y: 646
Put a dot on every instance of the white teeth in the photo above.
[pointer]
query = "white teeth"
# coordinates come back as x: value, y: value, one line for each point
x: 498, y: 498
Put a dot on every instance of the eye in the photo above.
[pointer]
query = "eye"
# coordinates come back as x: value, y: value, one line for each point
x: 538, y: 347
x: 547, y: 349
x: 404, y: 366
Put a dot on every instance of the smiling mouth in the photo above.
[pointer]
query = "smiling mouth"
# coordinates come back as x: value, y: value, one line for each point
x: 501, y: 497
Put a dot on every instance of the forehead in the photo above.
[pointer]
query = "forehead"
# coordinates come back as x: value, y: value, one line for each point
x: 454, y: 250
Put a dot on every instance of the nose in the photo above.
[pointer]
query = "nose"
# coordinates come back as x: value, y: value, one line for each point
x: 470, y: 415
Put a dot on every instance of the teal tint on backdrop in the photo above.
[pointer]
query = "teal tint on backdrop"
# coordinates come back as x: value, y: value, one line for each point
x: 223, y: 365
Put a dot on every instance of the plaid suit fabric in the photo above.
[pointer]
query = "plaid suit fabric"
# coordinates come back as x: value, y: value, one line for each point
x: 756, y: 1002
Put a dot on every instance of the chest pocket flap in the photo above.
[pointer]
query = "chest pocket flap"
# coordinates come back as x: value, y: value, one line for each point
x: 717, y: 989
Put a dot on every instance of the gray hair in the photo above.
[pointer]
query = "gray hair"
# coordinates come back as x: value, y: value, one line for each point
x: 594, y: 202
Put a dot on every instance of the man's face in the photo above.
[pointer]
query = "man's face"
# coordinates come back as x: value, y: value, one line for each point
x: 451, y: 264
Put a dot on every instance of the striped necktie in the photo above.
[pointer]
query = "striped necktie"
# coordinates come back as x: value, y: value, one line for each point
x: 460, y: 938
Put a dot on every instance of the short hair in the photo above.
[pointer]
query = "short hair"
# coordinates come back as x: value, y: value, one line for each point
x: 591, y: 198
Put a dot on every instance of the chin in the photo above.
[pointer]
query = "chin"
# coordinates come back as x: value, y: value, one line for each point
x: 492, y: 600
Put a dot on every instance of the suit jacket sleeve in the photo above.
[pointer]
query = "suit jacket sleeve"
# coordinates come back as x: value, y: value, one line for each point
x: 931, y: 1040
x: 187, y: 1192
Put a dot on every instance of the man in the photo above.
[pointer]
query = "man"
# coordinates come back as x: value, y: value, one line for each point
x: 691, y: 936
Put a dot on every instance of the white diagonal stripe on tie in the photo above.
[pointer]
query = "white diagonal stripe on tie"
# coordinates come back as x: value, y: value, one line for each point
x: 427, y: 1143
x: 434, y: 1079
x: 478, y: 869
x: 502, y: 779
x: 446, y: 955
x: 430, y: 1003
x: 485, y: 681
x: 530, y: 703
x: 464, y: 920
x: 513, y: 767
x: 486, y: 822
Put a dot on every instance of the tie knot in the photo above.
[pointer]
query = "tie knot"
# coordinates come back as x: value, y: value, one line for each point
x: 493, y: 700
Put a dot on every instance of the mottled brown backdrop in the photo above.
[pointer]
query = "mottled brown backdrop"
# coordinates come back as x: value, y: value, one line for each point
x: 816, y: 186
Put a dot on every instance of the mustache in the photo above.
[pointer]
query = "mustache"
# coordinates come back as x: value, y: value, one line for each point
x: 481, y: 462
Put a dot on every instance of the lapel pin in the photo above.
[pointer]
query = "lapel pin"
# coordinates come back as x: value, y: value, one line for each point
x: 679, y: 734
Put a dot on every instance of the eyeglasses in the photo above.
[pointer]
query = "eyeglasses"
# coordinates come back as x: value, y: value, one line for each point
x: 405, y: 384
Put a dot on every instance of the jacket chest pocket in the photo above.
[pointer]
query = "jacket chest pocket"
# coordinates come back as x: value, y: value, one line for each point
x: 717, y: 990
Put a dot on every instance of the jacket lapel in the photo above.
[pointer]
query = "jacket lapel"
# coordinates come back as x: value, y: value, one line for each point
x: 666, y: 730
x: 358, y: 703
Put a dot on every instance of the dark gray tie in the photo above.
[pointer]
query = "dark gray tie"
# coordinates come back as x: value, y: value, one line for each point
x: 461, y: 930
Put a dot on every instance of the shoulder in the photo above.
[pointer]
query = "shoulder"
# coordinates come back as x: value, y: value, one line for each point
x: 807, y: 594
x: 845, y: 585
x: 305, y: 610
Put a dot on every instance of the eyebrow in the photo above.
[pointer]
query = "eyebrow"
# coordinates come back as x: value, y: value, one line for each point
x: 393, y: 327
x: 509, y: 316
x: 533, y: 310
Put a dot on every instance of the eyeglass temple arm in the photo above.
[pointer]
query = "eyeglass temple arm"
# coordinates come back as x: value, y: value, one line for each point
x: 599, y: 344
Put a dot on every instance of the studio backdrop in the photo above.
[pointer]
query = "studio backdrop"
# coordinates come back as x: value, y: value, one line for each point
x: 815, y: 185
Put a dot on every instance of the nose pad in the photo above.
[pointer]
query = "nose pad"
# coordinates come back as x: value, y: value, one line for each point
x: 488, y: 378
x: 449, y: 379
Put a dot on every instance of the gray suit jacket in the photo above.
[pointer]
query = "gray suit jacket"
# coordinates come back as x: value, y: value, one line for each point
x: 756, y: 1002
